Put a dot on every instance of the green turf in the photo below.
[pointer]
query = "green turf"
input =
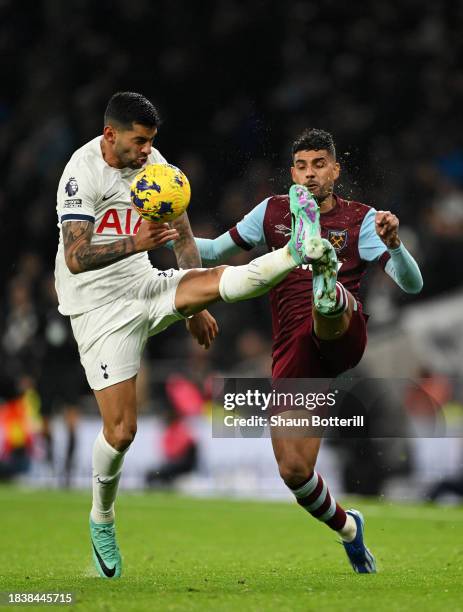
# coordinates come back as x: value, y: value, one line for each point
x: 189, y: 554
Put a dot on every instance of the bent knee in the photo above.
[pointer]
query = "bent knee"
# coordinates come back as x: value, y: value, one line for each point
x: 295, y: 470
x: 212, y: 281
x: 197, y: 289
x: 121, y: 435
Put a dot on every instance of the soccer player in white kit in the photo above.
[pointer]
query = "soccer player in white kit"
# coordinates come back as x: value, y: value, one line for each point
x: 116, y: 299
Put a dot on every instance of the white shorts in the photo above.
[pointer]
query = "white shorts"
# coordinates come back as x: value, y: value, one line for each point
x: 111, y: 338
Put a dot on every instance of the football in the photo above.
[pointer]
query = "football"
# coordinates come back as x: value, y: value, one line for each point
x: 160, y: 192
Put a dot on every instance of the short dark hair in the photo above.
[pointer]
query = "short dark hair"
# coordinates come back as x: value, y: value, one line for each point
x: 127, y: 107
x: 314, y: 140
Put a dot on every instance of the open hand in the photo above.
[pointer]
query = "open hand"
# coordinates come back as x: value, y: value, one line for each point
x: 203, y: 327
x: 153, y: 235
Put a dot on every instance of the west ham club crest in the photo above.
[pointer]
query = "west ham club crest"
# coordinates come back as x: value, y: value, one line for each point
x: 338, y: 239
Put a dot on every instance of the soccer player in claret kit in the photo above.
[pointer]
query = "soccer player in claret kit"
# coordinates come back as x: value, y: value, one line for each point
x: 319, y: 328
x: 115, y: 298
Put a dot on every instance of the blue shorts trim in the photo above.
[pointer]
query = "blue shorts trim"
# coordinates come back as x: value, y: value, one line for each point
x: 72, y: 217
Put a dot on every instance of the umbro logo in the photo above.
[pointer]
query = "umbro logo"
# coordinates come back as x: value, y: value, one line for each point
x: 282, y: 229
x: 104, y: 367
x: 109, y: 197
x: 105, y: 569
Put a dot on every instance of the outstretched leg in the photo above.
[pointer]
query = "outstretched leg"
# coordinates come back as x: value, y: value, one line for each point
x: 199, y: 288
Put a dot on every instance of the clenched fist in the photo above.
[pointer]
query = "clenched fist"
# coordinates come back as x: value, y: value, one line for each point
x: 153, y: 235
x: 387, y: 228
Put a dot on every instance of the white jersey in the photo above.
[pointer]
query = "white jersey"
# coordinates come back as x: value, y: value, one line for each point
x: 91, y: 190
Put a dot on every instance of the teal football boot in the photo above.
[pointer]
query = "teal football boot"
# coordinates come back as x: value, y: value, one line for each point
x: 306, y: 242
x: 307, y: 246
x: 324, y: 277
x: 106, y: 553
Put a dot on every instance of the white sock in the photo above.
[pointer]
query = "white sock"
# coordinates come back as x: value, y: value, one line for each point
x: 107, y: 468
x: 257, y: 277
x: 349, y: 531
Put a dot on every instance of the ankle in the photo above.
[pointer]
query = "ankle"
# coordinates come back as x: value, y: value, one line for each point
x: 349, y: 531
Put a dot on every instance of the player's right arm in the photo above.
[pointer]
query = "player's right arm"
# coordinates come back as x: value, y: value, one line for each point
x: 245, y: 235
x: 78, y: 191
x: 81, y: 255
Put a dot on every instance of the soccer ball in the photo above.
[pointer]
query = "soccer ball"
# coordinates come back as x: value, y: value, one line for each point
x: 160, y: 192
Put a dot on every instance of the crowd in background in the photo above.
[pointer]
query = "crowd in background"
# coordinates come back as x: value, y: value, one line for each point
x: 235, y: 82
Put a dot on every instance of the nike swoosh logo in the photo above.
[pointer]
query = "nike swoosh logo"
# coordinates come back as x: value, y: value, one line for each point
x: 102, y: 482
x: 106, y: 571
x: 109, y: 197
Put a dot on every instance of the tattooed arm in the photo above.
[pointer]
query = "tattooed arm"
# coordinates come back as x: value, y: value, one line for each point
x: 81, y: 255
x: 202, y: 326
x: 185, y: 248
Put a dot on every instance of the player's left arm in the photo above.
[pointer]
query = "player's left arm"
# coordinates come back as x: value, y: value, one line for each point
x: 379, y: 241
x: 245, y: 235
x: 202, y: 326
x: 185, y: 248
x: 401, y: 267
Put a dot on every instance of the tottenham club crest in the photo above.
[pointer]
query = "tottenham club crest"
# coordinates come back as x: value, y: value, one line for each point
x: 71, y: 187
x: 338, y: 239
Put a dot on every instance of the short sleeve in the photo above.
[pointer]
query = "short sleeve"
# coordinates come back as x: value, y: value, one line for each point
x: 371, y: 247
x: 249, y: 232
x: 76, y: 195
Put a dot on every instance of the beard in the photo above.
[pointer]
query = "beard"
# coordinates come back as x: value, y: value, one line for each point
x: 127, y: 159
x: 322, y: 193
x: 129, y: 162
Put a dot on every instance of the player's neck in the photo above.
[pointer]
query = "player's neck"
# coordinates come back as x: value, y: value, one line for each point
x: 327, y: 204
x: 108, y: 155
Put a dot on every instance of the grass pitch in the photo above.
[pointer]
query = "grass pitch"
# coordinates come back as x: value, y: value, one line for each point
x: 189, y: 554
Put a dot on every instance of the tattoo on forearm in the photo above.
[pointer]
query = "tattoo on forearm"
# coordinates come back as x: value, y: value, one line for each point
x: 92, y: 257
x: 185, y: 248
x: 81, y: 255
x: 188, y: 257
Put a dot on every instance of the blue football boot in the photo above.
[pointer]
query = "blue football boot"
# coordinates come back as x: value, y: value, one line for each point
x: 360, y: 557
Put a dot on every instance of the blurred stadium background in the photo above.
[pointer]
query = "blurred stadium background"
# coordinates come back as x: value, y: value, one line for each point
x: 234, y: 82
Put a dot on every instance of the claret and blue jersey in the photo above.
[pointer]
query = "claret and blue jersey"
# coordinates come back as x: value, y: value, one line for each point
x: 349, y: 226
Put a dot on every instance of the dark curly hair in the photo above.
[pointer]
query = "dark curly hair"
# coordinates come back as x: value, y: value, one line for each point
x: 127, y: 107
x: 314, y: 140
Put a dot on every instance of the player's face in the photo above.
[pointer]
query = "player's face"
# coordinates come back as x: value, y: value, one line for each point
x: 132, y: 147
x: 317, y: 170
